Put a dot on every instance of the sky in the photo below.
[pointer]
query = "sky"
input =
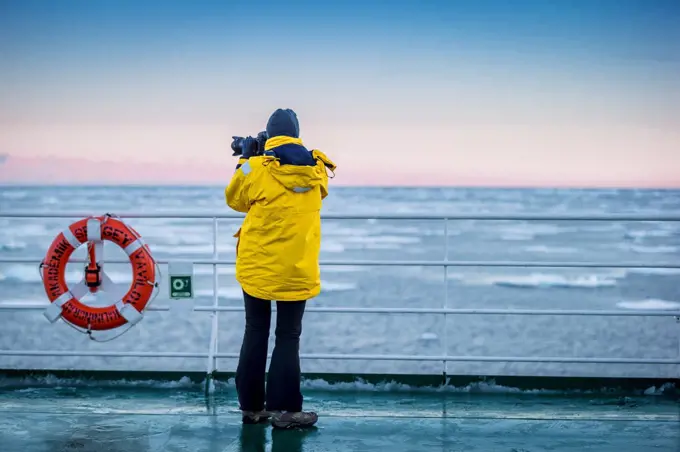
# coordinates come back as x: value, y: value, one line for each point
x: 494, y: 93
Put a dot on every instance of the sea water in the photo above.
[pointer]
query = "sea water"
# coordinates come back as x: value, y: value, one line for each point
x: 650, y: 242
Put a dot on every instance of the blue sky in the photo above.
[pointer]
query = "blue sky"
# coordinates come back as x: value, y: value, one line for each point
x: 389, y: 76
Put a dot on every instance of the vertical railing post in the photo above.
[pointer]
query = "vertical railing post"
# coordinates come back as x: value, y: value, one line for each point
x: 213, y: 346
x: 216, y: 292
x: 677, y: 321
x: 446, y: 298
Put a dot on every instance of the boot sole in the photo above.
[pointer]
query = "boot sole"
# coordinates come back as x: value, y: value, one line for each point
x: 287, y: 425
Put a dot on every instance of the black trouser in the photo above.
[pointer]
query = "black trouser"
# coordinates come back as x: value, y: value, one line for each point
x: 283, y: 380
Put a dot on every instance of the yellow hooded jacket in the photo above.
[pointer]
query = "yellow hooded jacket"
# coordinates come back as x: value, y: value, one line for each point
x: 277, y: 252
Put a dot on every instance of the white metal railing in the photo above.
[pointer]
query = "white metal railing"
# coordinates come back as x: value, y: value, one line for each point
x: 361, y: 216
x: 213, y: 352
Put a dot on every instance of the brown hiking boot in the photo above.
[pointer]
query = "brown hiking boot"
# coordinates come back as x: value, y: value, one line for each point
x: 255, y: 417
x: 292, y: 420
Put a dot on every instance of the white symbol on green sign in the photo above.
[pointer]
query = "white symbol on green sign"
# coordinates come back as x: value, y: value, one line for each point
x: 180, y: 287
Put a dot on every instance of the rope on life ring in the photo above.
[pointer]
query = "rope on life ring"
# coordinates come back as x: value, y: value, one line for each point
x: 65, y: 303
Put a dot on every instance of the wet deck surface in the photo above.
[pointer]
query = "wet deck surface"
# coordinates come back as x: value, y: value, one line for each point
x: 115, y: 418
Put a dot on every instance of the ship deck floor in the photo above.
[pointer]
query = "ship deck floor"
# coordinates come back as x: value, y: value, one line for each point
x: 112, y: 418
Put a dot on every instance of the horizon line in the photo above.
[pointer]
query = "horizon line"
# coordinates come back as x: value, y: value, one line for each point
x: 348, y: 186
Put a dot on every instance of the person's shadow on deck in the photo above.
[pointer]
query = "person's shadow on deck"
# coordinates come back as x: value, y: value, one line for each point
x: 253, y: 438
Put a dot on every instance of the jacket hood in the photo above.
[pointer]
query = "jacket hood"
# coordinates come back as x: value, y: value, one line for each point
x: 297, y: 178
x: 294, y: 167
x: 283, y: 123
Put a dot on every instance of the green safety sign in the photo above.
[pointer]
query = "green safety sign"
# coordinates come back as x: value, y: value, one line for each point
x: 180, y: 287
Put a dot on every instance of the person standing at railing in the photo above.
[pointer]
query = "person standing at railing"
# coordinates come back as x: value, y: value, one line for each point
x: 280, y: 188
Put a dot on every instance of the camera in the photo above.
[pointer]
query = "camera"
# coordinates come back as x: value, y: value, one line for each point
x: 260, y: 140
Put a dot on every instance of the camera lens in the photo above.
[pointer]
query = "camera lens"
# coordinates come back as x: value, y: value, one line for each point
x: 237, y: 145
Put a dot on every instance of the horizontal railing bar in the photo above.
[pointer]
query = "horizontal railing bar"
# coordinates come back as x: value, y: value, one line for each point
x: 362, y: 216
x: 36, y: 307
x: 461, y: 311
x: 515, y: 359
x: 391, y: 263
x: 328, y: 356
x: 104, y: 354
x: 458, y: 311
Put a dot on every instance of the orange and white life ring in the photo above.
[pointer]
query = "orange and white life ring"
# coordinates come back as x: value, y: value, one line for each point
x: 66, y: 304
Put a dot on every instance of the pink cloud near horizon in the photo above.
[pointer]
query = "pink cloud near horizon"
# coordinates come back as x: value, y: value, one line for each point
x: 74, y: 171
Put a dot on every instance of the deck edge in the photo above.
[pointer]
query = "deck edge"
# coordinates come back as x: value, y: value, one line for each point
x: 525, y: 383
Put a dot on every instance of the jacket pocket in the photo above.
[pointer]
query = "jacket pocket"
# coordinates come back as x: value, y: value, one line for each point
x: 238, y: 241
